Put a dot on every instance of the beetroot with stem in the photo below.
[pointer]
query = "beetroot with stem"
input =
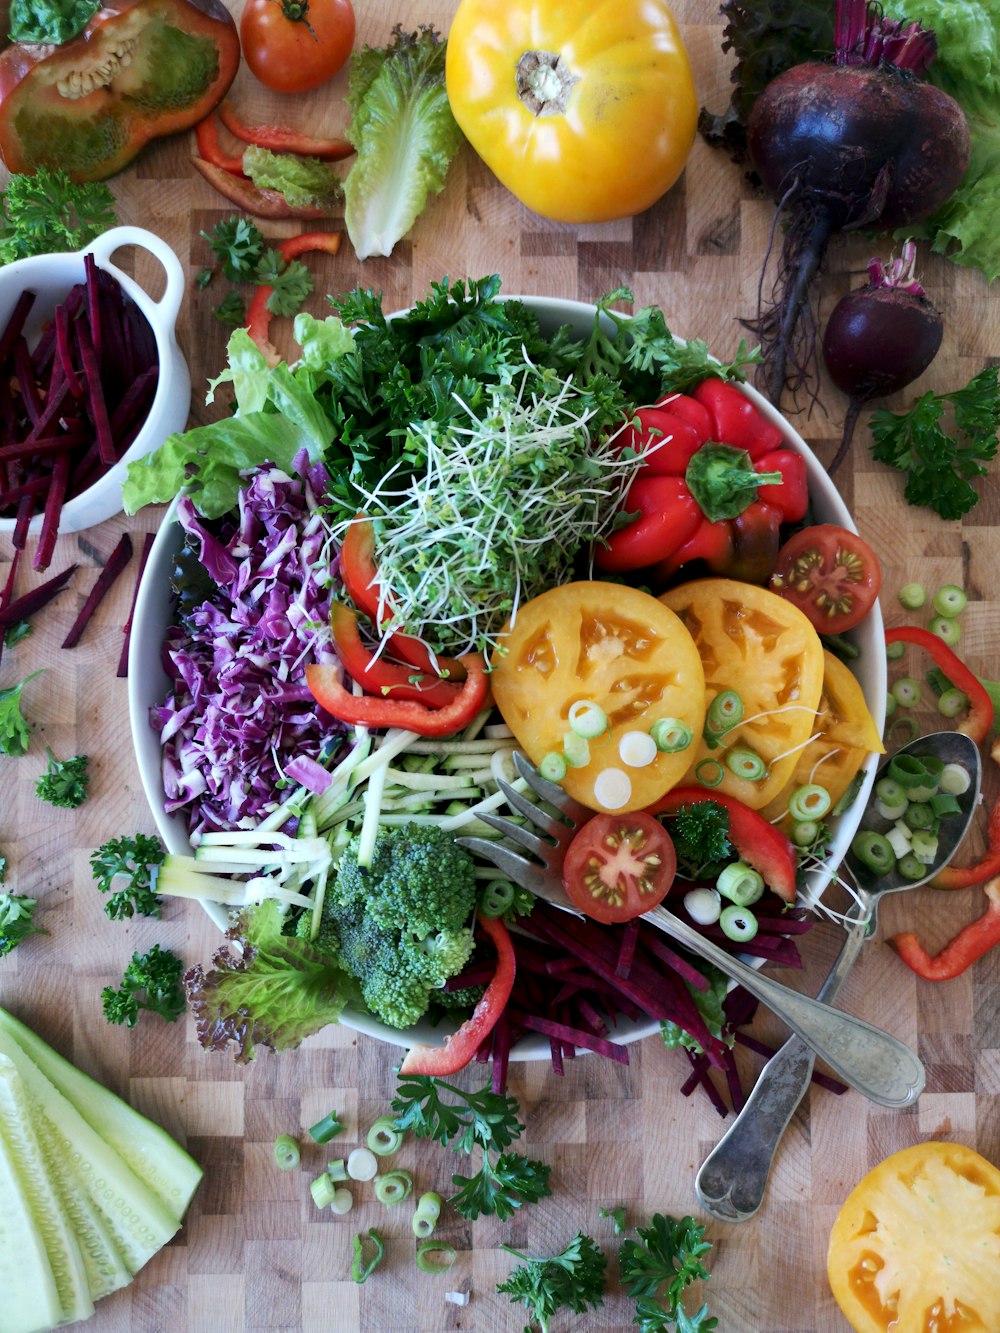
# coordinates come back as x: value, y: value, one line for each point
x: 857, y: 143
x: 880, y: 338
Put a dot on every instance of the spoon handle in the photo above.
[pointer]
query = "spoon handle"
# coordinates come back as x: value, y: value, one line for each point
x: 731, y: 1182
x: 879, y: 1066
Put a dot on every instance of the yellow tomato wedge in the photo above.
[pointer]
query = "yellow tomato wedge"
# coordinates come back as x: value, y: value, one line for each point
x: 916, y: 1246
x: 607, y: 645
x: 762, y: 647
x: 844, y: 734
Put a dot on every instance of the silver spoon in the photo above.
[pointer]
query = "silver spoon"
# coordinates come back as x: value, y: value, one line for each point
x: 731, y: 1182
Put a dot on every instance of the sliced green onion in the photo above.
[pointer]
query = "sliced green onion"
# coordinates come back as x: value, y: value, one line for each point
x: 912, y: 596
x: 890, y: 791
x: 746, y: 764
x: 910, y: 868
x: 552, y: 767
x: 738, y: 924
x: 899, y: 838
x: 924, y: 846
x: 953, y: 703
x: 326, y: 1129
x: 908, y: 771
x: 587, y: 719
x: 724, y: 712
x: 362, y: 1164
x: 703, y: 906
x: 342, y: 1202
x: 637, y: 749
x: 804, y: 832
x: 496, y: 896
x: 904, y: 730
x: 322, y: 1191
x: 741, y: 884
x: 955, y: 779
x: 948, y: 631
x: 446, y: 1253
x: 894, y: 651
x: 670, y: 735
x: 890, y: 704
x: 337, y: 1170
x: 891, y: 811
x: 950, y: 601
x: 427, y: 1213
x: 709, y: 772
x: 576, y: 751
x: 919, y: 815
x: 286, y: 1152
x: 906, y: 691
x: 384, y: 1137
x: 393, y: 1187
x: 809, y: 802
x: 943, y: 803
x: 360, y: 1270
x: 874, y: 851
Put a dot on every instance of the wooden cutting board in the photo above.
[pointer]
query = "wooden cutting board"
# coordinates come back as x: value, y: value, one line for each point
x: 255, y: 1254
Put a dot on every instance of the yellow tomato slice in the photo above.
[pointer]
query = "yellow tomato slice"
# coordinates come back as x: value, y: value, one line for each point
x: 613, y: 646
x: 844, y: 735
x: 760, y: 645
x: 916, y: 1246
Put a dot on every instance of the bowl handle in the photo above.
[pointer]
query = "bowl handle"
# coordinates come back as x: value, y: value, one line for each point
x: 104, y: 247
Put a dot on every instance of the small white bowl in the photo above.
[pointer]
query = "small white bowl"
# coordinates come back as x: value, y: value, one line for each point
x: 51, y: 277
x: 148, y: 685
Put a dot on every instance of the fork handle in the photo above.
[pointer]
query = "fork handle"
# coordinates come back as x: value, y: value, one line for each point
x: 879, y: 1066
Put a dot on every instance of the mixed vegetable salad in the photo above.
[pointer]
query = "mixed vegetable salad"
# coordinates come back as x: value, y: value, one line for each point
x: 437, y: 539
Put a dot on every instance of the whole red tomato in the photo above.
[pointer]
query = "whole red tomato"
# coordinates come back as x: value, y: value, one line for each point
x: 294, y: 45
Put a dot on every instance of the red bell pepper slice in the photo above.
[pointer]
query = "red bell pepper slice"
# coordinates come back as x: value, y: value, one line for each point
x: 761, y: 844
x: 736, y: 420
x: 980, y: 717
x: 206, y: 133
x: 461, y: 1047
x: 248, y: 197
x: 959, y: 953
x: 282, y: 139
x: 368, y: 710
x: 360, y: 577
x: 378, y: 676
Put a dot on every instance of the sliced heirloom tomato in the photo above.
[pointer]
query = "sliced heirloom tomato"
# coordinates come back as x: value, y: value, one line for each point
x: 615, y: 647
x: 916, y: 1246
x: 755, y: 643
x: 831, y: 574
x: 619, y: 866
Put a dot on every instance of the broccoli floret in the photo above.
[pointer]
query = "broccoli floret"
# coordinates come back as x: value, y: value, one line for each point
x: 419, y: 880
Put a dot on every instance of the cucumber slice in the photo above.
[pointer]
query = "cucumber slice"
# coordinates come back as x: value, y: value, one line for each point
x: 148, y: 1151
x: 138, y: 1221
x: 46, y: 1223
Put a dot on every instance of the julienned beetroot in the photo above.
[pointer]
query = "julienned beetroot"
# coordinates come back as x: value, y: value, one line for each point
x: 880, y: 337
x: 857, y: 143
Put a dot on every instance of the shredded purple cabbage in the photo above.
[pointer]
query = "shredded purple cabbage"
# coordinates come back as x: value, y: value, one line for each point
x: 240, y: 722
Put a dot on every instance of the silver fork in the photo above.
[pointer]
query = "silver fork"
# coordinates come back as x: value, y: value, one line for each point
x: 879, y: 1066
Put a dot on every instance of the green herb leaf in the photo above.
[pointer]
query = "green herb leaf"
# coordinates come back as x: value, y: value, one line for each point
x: 231, y: 311
x: 64, y: 782
x: 501, y: 1187
x: 573, y: 1279
x: 151, y: 981
x: 238, y: 245
x: 17, y: 915
x: 667, y: 1255
x: 134, y: 859
x: 47, y: 212
x: 54, y: 21
x: 486, y: 1118
x: 15, y: 732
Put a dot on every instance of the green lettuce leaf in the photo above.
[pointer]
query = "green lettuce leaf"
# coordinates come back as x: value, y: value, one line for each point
x: 305, y: 182
x: 275, y: 992
x: 405, y: 136
x: 709, y: 1004
x: 322, y: 341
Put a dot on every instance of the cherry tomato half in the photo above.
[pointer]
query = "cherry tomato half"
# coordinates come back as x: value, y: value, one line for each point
x: 830, y: 574
x: 619, y: 866
x: 294, y: 45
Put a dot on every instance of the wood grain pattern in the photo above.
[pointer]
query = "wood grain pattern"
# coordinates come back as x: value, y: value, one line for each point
x: 254, y: 1254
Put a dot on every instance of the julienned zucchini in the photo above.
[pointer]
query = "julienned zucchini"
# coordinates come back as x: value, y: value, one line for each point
x: 77, y: 1220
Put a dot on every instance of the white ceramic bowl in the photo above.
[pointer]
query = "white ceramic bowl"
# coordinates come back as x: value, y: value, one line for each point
x: 147, y: 685
x: 51, y: 277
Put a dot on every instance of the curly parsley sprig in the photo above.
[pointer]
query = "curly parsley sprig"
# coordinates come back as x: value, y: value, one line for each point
x: 133, y: 858
x: 64, y: 782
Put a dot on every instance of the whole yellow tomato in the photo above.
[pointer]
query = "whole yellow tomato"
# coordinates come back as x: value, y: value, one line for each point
x: 585, y: 109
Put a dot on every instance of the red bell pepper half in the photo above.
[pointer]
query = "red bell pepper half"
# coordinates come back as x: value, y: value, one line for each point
x: 379, y: 676
x: 760, y: 844
x: 368, y: 710
x: 461, y: 1046
x: 698, y: 493
x: 969, y: 944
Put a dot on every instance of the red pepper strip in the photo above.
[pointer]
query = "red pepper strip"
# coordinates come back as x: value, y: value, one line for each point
x: 966, y: 877
x: 360, y: 578
x: 246, y: 196
x: 369, y: 710
x: 461, y: 1046
x: 259, y: 316
x: 958, y: 954
x: 206, y: 132
x: 281, y: 139
x: 979, y: 721
x: 761, y: 844
x: 378, y: 676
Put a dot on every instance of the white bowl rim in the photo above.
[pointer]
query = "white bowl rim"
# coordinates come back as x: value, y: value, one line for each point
x: 534, y: 1047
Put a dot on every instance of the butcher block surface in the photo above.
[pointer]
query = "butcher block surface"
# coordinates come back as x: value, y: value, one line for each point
x: 254, y: 1253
